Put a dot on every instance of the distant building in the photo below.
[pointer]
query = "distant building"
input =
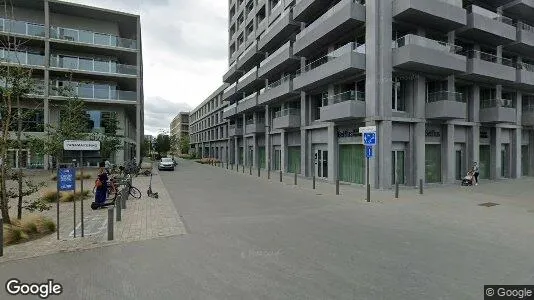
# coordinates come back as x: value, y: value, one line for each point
x: 179, y: 128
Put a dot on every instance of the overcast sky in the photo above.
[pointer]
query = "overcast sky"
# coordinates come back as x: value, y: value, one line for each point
x: 184, y: 53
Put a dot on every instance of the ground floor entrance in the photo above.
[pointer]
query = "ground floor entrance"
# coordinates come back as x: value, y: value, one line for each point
x: 352, y: 163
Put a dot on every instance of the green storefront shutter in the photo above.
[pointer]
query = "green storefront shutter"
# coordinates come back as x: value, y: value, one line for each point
x: 433, y: 163
x: 261, y: 154
x: 293, y: 160
x: 351, y: 163
x: 525, y: 161
x: 484, y: 163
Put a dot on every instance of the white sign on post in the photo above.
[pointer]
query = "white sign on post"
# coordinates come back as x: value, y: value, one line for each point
x: 367, y: 129
x: 81, y: 145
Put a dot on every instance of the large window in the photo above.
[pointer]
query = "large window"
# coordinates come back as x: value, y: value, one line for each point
x: 525, y: 161
x: 293, y: 160
x: 485, y: 159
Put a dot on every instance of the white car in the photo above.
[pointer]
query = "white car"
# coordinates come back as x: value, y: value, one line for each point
x: 166, y: 163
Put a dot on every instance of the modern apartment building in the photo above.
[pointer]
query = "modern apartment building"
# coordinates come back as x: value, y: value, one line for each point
x: 97, y: 52
x: 179, y: 127
x: 208, y: 130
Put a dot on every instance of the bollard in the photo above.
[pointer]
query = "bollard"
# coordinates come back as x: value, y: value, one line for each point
x: 1, y: 237
x: 368, y: 193
x: 227, y: 165
x: 295, y: 180
x: 119, y: 210
x: 259, y: 172
x: 421, y: 186
x: 110, y: 224
x: 396, y: 189
x: 232, y: 167
x: 124, y: 192
x: 269, y: 172
x: 250, y: 170
x: 313, y: 182
x: 243, y: 168
x: 337, y: 186
x: 280, y: 176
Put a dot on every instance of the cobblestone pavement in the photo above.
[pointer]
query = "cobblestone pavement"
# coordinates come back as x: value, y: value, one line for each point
x: 143, y: 219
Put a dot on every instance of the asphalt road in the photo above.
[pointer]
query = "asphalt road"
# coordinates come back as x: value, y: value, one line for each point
x: 250, y: 239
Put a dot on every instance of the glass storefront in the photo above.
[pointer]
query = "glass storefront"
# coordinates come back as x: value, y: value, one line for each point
x: 293, y: 159
x: 397, y: 172
x: 352, y: 163
x: 277, y: 158
x: 261, y: 158
x: 433, y: 163
x: 485, y: 161
x: 525, y: 161
x: 241, y: 155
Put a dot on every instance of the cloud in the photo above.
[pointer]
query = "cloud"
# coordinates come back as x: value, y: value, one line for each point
x: 159, y: 113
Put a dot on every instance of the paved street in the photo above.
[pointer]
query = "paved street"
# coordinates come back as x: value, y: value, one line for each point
x: 250, y: 238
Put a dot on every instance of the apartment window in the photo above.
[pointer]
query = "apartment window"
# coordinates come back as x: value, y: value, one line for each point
x: 232, y: 12
x: 250, y: 28
x: 260, y: 16
x: 318, y: 101
x: 398, y: 95
x: 275, y: 3
x: 240, y: 40
x: 240, y: 21
x: 232, y: 49
x: 249, y: 7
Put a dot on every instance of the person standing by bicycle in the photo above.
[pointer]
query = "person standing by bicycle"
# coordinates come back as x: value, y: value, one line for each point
x: 101, y: 185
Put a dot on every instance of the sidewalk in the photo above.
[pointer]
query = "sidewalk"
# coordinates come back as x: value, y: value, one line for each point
x: 143, y: 219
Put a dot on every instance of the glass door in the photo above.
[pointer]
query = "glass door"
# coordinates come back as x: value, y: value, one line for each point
x: 397, y: 171
x: 277, y: 161
x: 321, y: 163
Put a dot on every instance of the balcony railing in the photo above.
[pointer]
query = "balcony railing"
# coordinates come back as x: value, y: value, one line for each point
x: 412, y: 39
x: 489, y: 57
x: 233, y: 85
x: 327, y: 15
x: 525, y: 66
x: 248, y: 74
x: 92, y: 65
x: 489, y: 14
x: 248, y: 98
x: 91, y: 91
x: 445, y: 96
x: 229, y: 107
x: 90, y: 37
x: 451, y: 2
x: 279, y: 82
x: 528, y: 107
x: 333, y: 55
x: 526, y: 27
x: 347, y: 96
x: 287, y: 112
x: 21, y: 27
x: 508, y: 103
x: 275, y: 53
x: 22, y: 57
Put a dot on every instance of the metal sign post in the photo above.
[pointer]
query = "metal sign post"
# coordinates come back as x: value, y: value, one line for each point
x: 73, y: 145
x: 66, y: 181
x: 369, y: 140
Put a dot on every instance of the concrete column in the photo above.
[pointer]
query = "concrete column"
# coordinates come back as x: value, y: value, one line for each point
x: 382, y: 162
x: 255, y: 147
x: 268, y: 149
x: 448, y: 164
x: 499, y: 54
x: 451, y: 86
x: 236, y: 151
x: 476, y: 48
x: 283, y: 151
x: 516, y: 153
x: 333, y: 153
x: 451, y: 37
x: 498, y: 91
x: 417, y: 138
x: 496, y: 153
x: 474, y: 104
x: 304, y: 161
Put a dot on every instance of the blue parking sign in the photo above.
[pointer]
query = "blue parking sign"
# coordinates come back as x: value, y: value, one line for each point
x: 66, y: 179
x: 369, y: 138
x: 368, y: 151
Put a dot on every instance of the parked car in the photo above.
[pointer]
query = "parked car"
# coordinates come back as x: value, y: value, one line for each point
x: 166, y: 163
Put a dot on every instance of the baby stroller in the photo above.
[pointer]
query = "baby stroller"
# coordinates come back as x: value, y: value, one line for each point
x: 469, y: 179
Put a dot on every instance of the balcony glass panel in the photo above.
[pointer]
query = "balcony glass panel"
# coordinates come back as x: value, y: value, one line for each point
x: 89, y: 37
x: 489, y: 57
x: 86, y: 36
x: 36, y: 30
x: 102, y: 91
x: 496, y: 103
x: 525, y: 66
x: 280, y: 50
x: 489, y: 14
x: 85, y: 90
x: 411, y: 39
x: 348, y: 96
x: 279, y: 82
x: 86, y: 64
x: 287, y: 112
x: 445, y: 96
x: 332, y: 55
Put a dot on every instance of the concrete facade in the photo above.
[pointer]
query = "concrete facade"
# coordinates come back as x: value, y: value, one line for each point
x: 179, y: 127
x: 95, y: 51
x: 446, y: 84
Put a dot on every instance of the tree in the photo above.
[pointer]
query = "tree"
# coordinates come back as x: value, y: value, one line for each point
x: 163, y: 144
x: 110, y: 141
x: 184, y: 144
x: 145, y: 147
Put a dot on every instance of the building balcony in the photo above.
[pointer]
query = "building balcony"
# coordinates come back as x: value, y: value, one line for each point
x: 497, y: 111
x: 420, y: 54
x: 488, y: 27
x: 257, y: 127
x: 21, y: 28
x: 287, y: 118
x: 343, y: 17
x: 229, y: 111
x: 520, y: 9
x: 344, y: 106
x: 528, y: 114
x: 250, y: 57
x: 232, y: 74
x: 24, y: 58
x: 279, y: 90
x: 446, y: 105
x: 229, y: 93
x: 307, y: 10
x: 524, y: 44
x: 247, y: 103
x: 234, y: 130
x: 341, y: 63
x: 525, y: 76
x: 488, y: 68
x: 79, y: 36
x: 276, y: 11
x: 446, y: 15
x: 91, y: 66
x: 279, y: 31
x: 249, y: 82
x: 279, y: 62
x: 91, y: 92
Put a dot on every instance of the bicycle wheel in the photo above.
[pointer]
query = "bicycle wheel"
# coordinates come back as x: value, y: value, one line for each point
x: 112, y: 193
x: 135, y: 192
